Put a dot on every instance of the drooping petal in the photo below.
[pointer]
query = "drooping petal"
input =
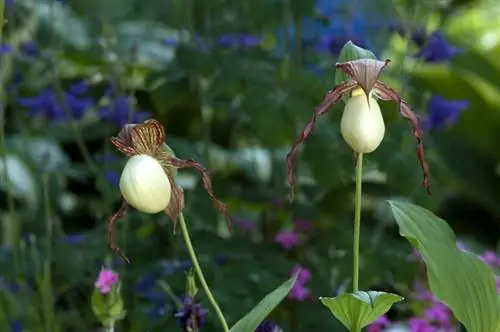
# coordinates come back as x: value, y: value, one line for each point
x: 123, y: 141
x: 176, y: 205
x: 147, y: 137
x: 364, y: 71
x: 111, y: 230
x: 207, y: 183
x: 387, y: 93
x: 330, y: 99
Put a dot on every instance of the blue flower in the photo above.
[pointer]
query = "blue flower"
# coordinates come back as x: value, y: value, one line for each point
x: 442, y: 112
x: 74, y: 238
x: 190, y: 315
x: 5, y: 48
x: 121, y: 111
x: 47, y: 104
x: 29, y: 48
x: 16, y: 326
x: 268, y: 326
x: 113, y: 177
x: 437, y: 49
x: 239, y: 40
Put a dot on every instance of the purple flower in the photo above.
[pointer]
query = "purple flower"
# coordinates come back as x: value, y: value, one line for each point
x: 29, y: 48
x: 439, y: 314
x: 334, y: 43
x: 74, y: 238
x: 304, y: 275
x: 379, y: 324
x: 267, y: 326
x: 191, y: 315
x: 442, y: 112
x: 437, y: 49
x: 490, y: 258
x: 287, y: 239
x: 106, y: 280
x: 420, y: 325
x: 299, y: 292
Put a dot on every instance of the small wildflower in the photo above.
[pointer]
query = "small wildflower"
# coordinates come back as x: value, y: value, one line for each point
x: 443, y: 112
x: 145, y: 145
x: 5, y: 48
x: 268, y: 326
x: 106, y: 280
x: 490, y: 258
x: 420, y: 325
x: 191, y: 317
x: 304, y: 275
x: 379, y: 324
x: 299, y: 292
x: 439, y: 314
x: 362, y: 125
x: 16, y: 326
x: 287, y: 239
x: 437, y: 49
x: 239, y: 40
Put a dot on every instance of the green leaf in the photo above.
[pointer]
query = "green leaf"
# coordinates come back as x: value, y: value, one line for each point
x: 359, y: 309
x: 350, y: 52
x: 253, y: 319
x: 458, y: 279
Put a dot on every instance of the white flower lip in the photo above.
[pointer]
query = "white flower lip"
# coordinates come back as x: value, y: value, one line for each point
x: 145, y: 185
x: 362, y: 125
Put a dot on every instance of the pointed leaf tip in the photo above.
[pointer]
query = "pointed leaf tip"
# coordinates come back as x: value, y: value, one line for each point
x: 258, y: 314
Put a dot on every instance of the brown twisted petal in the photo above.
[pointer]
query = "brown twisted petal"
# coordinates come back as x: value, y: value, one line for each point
x: 176, y: 205
x: 123, y: 143
x: 111, y: 230
x: 148, y: 137
x: 364, y: 71
x: 207, y: 183
x: 387, y: 93
x: 330, y: 99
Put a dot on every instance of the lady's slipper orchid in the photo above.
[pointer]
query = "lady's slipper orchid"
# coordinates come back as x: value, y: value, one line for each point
x: 362, y: 125
x: 144, y: 184
x: 149, y: 171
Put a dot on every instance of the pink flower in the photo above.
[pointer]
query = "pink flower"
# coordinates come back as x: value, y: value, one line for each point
x: 287, y: 239
x: 304, y: 274
x: 438, y: 313
x: 490, y: 258
x: 379, y: 324
x: 106, y: 280
x: 299, y: 292
x: 420, y: 325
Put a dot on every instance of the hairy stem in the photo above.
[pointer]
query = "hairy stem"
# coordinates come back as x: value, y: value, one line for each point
x: 199, y: 272
x: 357, y: 223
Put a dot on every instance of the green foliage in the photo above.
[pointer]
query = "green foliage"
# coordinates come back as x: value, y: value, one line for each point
x: 257, y: 315
x: 459, y: 279
x: 359, y: 309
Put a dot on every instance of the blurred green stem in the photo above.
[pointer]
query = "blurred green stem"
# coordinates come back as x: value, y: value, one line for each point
x: 199, y: 272
x: 357, y: 222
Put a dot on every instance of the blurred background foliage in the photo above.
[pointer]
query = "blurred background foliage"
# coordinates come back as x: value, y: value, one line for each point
x: 233, y: 82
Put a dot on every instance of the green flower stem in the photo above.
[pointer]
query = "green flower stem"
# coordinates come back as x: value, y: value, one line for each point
x: 357, y: 223
x: 199, y: 272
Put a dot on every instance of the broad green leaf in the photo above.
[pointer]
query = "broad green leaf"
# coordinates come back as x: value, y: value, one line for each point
x: 350, y: 52
x: 359, y: 309
x: 458, y: 279
x: 253, y: 319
